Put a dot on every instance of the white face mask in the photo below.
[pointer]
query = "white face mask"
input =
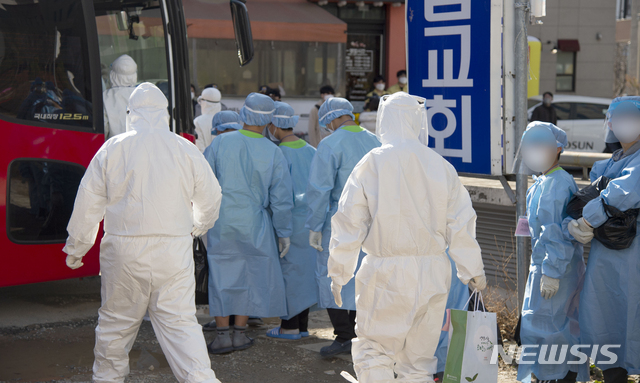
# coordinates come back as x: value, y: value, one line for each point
x: 626, y: 129
x: 547, y: 101
x: 539, y: 158
x: 193, y: 95
x: 402, y: 80
x: 380, y: 86
x: 327, y: 96
x: 272, y: 137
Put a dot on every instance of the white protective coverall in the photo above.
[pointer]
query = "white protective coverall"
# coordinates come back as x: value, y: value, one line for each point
x: 143, y: 183
x: 209, y: 102
x: 405, y: 206
x: 123, y: 77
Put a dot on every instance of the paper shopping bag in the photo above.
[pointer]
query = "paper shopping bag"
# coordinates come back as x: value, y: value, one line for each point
x: 472, y: 338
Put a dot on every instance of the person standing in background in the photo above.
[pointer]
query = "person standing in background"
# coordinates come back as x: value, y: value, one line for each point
x: 123, y: 78
x: 379, y: 89
x: 545, y: 112
x: 316, y: 132
x: 402, y: 85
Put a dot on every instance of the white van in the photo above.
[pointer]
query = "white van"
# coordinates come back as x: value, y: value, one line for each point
x: 582, y: 118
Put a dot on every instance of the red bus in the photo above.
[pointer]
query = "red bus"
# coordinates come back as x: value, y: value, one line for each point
x: 54, y: 67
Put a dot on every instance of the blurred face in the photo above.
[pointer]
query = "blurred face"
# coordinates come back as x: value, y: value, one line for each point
x: 626, y: 127
x: 380, y: 85
x: 547, y: 100
x: 539, y: 157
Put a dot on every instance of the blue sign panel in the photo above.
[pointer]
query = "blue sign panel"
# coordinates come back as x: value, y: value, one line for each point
x: 452, y: 51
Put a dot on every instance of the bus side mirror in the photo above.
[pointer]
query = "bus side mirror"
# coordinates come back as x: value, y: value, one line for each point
x: 242, y: 30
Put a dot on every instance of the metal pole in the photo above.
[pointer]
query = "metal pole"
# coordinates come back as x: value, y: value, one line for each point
x: 520, y: 100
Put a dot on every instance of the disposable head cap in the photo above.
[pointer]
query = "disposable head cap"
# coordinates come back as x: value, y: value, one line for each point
x: 227, y: 119
x: 401, y: 117
x: 257, y: 110
x: 124, y: 71
x: 284, y: 117
x: 540, y: 133
x: 628, y: 105
x: 333, y: 108
x: 209, y: 101
x: 147, y: 108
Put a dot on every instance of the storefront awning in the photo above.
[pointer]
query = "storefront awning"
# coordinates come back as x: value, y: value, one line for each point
x: 569, y: 45
x: 280, y: 21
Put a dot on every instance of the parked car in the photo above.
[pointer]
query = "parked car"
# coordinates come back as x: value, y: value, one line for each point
x: 582, y: 118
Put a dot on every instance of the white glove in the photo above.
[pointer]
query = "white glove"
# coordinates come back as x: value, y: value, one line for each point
x: 581, y: 231
x: 549, y: 286
x: 284, y: 244
x: 198, y: 232
x: 315, y: 239
x: 336, y: 290
x: 478, y: 283
x: 74, y: 262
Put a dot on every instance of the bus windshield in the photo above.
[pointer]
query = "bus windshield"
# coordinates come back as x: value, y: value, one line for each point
x: 132, y: 49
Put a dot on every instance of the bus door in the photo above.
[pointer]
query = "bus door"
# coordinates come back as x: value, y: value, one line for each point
x: 50, y: 126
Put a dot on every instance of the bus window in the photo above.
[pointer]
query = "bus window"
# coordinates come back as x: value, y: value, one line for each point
x: 44, y: 71
x: 40, y: 200
x: 138, y: 33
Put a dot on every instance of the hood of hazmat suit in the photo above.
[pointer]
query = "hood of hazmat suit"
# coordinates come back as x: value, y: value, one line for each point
x: 299, y: 265
x: 210, y: 105
x: 124, y: 77
x: 244, y: 264
x: 611, y: 284
x: 405, y: 206
x: 152, y: 187
x: 335, y: 158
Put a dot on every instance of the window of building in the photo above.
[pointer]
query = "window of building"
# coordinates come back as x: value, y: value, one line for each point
x: 623, y: 9
x: 298, y: 68
x: 44, y: 63
x: 565, y: 71
x: 40, y: 199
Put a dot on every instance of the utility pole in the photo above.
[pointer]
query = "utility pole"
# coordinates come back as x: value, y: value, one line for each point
x: 521, y: 18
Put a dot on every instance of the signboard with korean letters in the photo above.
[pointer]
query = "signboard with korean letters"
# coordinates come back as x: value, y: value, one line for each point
x: 454, y: 59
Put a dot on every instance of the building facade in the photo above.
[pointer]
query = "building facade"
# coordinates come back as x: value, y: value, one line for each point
x: 578, y: 47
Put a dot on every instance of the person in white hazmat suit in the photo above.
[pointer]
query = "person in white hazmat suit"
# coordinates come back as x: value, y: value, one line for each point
x: 405, y: 206
x: 209, y: 102
x: 143, y: 183
x: 123, y: 78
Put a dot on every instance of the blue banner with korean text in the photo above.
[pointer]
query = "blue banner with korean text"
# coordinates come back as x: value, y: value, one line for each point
x: 453, y: 60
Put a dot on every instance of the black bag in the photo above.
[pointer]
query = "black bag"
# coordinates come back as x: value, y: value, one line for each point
x: 202, y: 272
x: 620, y: 229
x: 584, y: 195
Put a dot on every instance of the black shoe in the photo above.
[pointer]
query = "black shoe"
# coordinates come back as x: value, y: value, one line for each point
x: 336, y: 348
x: 211, y: 326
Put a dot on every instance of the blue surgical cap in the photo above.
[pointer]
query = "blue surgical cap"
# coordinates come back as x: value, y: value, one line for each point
x: 539, y: 132
x: 226, y: 119
x: 283, y: 117
x: 257, y: 110
x: 620, y: 105
x: 333, y: 108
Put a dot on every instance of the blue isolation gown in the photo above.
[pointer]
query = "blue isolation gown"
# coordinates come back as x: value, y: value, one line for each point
x: 553, y: 321
x: 610, y: 301
x: 336, y: 157
x: 457, y: 300
x: 299, y: 265
x: 245, y: 277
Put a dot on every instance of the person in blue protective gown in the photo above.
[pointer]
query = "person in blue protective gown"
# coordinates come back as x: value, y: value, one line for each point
x: 225, y: 121
x: 336, y: 157
x: 457, y: 300
x: 299, y: 265
x: 245, y: 278
x: 549, y: 310
x: 609, y: 308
